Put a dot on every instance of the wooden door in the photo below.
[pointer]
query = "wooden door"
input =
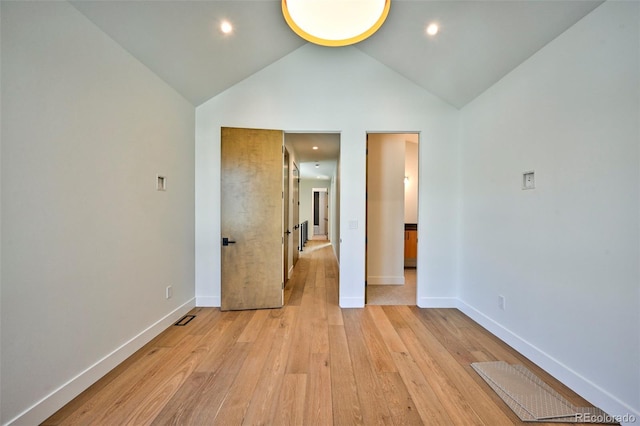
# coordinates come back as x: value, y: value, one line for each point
x: 323, y: 213
x: 251, y: 218
x: 295, y: 204
x: 285, y: 226
x: 366, y: 219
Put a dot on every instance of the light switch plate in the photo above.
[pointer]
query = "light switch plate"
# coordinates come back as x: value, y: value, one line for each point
x: 161, y: 183
x: 528, y: 180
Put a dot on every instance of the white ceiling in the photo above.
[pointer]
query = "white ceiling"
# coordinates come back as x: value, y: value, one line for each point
x: 325, y: 157
x: 479, y: 41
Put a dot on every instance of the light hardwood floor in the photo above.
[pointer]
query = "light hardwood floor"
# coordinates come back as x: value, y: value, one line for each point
x: 309, y: 363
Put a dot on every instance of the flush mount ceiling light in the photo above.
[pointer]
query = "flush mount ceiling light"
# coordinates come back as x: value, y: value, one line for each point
x: 335, y: 22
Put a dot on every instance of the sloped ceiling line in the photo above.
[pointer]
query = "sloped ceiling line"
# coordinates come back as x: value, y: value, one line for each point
x: 479, y: 41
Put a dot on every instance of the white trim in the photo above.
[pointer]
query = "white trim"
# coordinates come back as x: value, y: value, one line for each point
x: 352, y: 302
x: 290, y: 272
x: 208, y: 301
x: 579, y: 384
x: 48, y: 405
x: 390, y: 280
x: 437, y: 302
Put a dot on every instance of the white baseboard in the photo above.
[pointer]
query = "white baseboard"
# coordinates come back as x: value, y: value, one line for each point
x: 437, y: 302
x: 579, y: 384
x: 208, y: 301
x: 48, y: 405
x: 382, y: 280
x: 352, y: 302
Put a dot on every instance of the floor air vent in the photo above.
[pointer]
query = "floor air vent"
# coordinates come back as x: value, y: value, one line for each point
x: 184, y: 320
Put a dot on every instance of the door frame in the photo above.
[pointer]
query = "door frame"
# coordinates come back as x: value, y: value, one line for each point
x: 286, y: 225
x: 295, y: 203
x: 415, y: 179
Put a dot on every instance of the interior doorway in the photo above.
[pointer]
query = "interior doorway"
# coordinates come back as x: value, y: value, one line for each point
x: 392, y: 218
x: 314, y: 194
x: 320, y: 210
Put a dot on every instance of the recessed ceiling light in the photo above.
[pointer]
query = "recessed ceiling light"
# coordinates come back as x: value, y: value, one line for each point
x: 226, y: 27
x: 315, y: 147
x: 432, y: 29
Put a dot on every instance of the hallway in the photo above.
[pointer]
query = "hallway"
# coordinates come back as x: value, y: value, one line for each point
x: 308, y: 363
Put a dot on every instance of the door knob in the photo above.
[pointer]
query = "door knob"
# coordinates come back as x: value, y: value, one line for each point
x: 226, y: 241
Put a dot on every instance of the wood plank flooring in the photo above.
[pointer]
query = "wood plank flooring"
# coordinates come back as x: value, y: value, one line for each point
x: 309, y: 363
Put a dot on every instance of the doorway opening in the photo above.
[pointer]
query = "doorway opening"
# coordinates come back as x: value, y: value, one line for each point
x: 258, y: 257
x: 314, y: 192
x: 320, y: 203
x: 392, y: 218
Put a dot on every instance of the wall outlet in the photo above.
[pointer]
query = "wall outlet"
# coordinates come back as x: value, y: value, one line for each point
x: 169, y: 292
x: 501, y: 302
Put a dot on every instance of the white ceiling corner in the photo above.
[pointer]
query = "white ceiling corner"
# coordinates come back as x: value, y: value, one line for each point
x: 479, y: 43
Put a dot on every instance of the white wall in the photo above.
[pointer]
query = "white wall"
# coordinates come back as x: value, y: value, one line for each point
x: 1, y: 220
x: 323, y: 89
x: 88, y: 244
x: 411, y: 186
x: 385, y: 211
x: 334, y: 214
x: 564, y: 255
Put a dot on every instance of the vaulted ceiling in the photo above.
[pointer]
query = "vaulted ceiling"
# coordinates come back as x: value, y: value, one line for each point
x: 479, y: 42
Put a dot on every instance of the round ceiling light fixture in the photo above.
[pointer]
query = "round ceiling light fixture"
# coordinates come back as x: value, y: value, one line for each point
x: 226, y: 27
x: 335, y: 22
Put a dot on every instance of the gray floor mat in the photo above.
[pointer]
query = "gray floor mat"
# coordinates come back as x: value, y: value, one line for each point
x: 529, y: 397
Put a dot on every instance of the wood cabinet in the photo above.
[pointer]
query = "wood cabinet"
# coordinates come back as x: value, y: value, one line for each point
x: 410, y: 245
